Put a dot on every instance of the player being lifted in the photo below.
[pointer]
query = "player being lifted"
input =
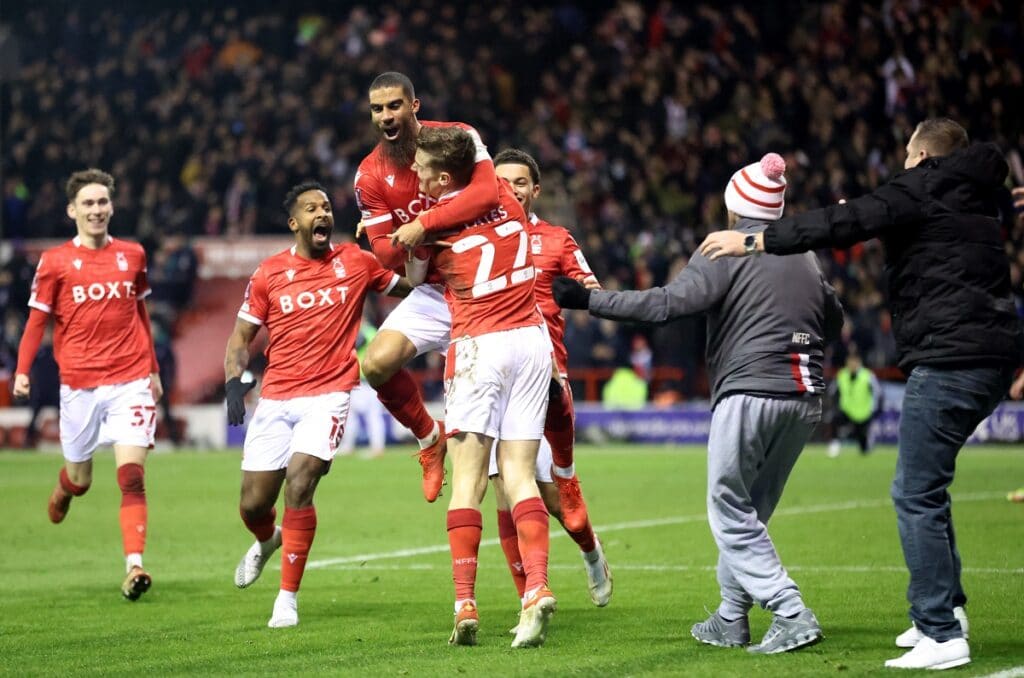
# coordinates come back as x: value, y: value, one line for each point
x: 310, y: 298
x: 497, y: 373
x: 387, y: 192
x: 93, y: 287
x: 554, y: 253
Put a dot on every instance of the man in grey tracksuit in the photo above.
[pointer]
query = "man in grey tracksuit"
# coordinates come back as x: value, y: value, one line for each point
x: 767, y: 321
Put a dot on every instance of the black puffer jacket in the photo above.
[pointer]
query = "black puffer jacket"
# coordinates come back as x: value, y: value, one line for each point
x: 949, y: 280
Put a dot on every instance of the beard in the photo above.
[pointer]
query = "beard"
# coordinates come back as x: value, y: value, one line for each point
x: 401, y: 152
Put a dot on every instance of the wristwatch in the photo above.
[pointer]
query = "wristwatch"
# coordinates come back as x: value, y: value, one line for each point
x: 750, y: 244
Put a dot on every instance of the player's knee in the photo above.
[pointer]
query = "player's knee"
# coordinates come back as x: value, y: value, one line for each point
x: 378, y: 367
x: 253, y: 508
x: 130, y: 478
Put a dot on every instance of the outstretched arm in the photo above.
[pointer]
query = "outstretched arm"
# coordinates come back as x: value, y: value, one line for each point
x: 697, y: 288
x: 27, y: 350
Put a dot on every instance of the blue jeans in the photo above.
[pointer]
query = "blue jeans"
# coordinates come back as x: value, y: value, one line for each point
x: 941, y: 408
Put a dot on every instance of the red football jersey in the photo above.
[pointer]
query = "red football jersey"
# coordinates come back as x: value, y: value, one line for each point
x: 98, y: 337
x: 312, y: 309
x: 488, y: 272
x: 555, y: 253
x: 389, y: 197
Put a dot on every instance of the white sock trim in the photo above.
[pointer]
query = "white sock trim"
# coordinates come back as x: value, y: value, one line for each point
x: 431, y: 439
x: 460, y: 603
x: 566, y: 472
x: 132, y: 560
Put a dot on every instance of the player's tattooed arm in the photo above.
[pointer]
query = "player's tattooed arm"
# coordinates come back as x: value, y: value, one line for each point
x: 236, y: 356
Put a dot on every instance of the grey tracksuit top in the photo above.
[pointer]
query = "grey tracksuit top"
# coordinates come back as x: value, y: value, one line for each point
x: 768, y: 317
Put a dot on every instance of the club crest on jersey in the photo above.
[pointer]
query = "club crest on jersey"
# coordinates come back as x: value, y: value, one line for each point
x: 290, y: 273
x: 77, y: 264
x: 339, y: 268
x: 122, y: 262
x: 535, y: 244
x: 390, y: 179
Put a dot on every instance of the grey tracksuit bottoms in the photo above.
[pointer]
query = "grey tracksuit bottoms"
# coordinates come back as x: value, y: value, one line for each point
x: 753, y: 444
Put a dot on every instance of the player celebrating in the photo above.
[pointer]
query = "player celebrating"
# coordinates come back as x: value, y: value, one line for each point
x: 93, y: 287
x: 554, y: 253
x: 388, y: 196
x: 310, y: 297
x: 496, y: 382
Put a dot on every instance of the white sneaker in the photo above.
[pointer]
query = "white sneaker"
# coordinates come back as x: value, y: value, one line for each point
x: 911, y: 636
x: 286, y: 612
x: 599, y: 577
x: 533, y: 620
x: 931, y: 654
x: 251, y: 565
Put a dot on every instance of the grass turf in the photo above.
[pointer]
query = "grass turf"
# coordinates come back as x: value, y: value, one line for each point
x: 376, y: 599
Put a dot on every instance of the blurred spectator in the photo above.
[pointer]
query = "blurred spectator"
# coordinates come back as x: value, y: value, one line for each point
x: 172, y: 274
x: 636, y: 111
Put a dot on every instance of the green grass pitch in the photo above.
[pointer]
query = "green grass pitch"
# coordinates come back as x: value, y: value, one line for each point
x: 377, y: 597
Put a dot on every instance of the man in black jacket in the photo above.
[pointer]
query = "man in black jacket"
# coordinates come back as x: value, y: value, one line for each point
x: 957, y: 335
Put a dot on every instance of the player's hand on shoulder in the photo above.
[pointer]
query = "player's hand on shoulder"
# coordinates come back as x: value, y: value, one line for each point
x: 409, y: 235
x: 723, y: 244
x: 22, y: 386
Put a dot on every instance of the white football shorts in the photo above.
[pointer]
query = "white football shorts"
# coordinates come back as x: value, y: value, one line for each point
x: 117, y: 414
x: 424, y: 318
x: 497, y: 384
x: 544, y: 461
x: 312, y: 425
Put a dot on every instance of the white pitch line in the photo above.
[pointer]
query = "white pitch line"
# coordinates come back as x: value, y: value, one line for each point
x: 1015, y: 672
x: 635, y: 525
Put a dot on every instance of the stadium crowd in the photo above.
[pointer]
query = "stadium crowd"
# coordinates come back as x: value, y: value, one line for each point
x: 637, y: 111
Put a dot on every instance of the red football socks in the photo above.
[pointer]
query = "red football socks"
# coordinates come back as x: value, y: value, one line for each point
x: 70, y: 487
x: 465, y: 527
x: 510, y: 545
x: 559, y: 429
x: 297, y: 531
x: 531, y: 519
x: 584, y: 538
x: 401, y: 396
x: 133, y: 507
x: 263, y: 526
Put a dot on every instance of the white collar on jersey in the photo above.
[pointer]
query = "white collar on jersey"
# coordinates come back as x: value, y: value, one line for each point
x: 77, y: 240
x: 448, y: 196
x: 293, y: 250
x: 533, y: 218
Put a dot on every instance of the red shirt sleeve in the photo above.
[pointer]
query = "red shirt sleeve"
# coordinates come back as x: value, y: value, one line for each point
x: 44, y: 284
x: 154, y: 367
x: 377, y: 219
x: 574, y: 264
x: 381, y: 279
x: 478, y: 198
x: 30, y: 340
x: 255, y: 303
x: 142, y: 289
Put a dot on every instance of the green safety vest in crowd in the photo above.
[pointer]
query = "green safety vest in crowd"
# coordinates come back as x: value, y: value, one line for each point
x: 855, y: 397
x: 625, y: 390
x: 367, y: 332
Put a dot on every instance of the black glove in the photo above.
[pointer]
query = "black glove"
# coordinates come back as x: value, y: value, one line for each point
x: 570, y: 293
x: 234, y: 393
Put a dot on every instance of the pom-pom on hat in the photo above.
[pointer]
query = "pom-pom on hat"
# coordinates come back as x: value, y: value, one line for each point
x: 758, y: 191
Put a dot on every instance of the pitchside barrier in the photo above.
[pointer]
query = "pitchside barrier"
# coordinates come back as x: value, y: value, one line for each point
x: 206, y: 426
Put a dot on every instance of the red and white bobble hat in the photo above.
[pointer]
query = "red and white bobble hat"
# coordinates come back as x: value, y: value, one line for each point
x: 758, y: 191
